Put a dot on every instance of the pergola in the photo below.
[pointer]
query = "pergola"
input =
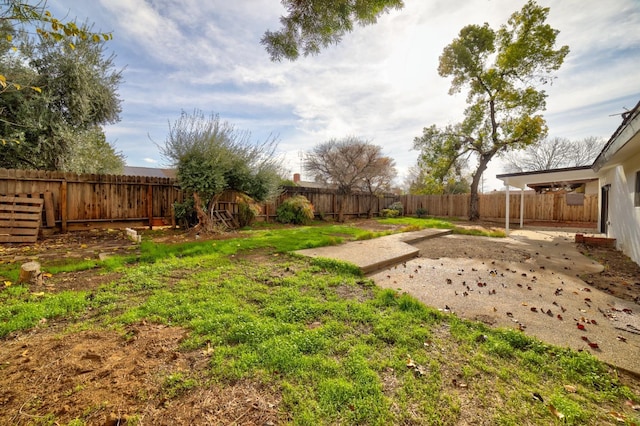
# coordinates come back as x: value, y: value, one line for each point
x: 540, y: 180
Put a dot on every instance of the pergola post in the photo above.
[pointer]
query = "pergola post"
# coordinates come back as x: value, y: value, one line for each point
x: 506, y: 214
x: 521, y: 207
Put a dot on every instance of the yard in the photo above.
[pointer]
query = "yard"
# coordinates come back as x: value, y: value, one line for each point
x: 235, y: 330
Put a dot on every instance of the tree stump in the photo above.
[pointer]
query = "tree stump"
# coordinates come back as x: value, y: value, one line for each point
x: 30, y: 273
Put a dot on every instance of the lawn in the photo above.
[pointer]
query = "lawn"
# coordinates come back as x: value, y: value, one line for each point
x: 333, y: 347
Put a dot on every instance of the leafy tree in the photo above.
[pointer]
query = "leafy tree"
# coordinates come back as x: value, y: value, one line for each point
x: 311, y: 25
x: 90, y: 152
x: 78, y: 94
x: 19, y: 17
x: 212, y: 156
x: 502, y: 71
x: 420, y: 181
x: 350, y: 164
x: 554, y: 153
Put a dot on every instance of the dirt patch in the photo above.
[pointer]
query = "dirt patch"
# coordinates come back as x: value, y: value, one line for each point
x: 72, y: 245
x: 457, y: 246
x: 102, y: 377
x: 621, y: 275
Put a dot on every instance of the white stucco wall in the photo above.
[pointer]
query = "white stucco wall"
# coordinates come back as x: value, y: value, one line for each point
x: 592, y: 188
x: 624, y: 217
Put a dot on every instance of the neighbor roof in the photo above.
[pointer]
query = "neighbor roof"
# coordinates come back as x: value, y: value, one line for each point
x: 149, y: 172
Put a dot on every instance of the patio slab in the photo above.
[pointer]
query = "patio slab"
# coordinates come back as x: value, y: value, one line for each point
x: 378, y: 253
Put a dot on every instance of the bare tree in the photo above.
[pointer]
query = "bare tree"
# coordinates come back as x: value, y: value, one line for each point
x: 378, y: 179
x: 350, y: 164
x: 554, y: 153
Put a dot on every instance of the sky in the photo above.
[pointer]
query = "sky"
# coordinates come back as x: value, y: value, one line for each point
x: 380, y: 83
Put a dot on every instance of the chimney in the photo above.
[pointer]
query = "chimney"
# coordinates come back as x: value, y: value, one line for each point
x: 296, y: 177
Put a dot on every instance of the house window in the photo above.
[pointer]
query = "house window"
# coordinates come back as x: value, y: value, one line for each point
x: 637, y: 194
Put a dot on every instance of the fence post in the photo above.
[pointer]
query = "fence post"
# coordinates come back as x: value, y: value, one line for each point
x: 63, y: 206
x: 150, y: 204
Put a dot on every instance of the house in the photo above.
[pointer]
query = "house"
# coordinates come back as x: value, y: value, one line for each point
x: 149, y: 172
x: 614, y: 175
x: 618, y: 171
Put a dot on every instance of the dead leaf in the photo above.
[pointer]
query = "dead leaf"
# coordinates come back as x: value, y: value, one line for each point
x: 618, y: 416
x: 570, y: 388
x: 594, y: 345
x: 410, y: 363
x: 622, y: 339
x: 555, y: 412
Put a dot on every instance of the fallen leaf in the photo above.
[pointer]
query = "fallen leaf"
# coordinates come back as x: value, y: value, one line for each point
x: 570, y: 389
x: 555, y: 412
x: 585, y: 338
x: 39, y: 294
x: 410, y: 363
x: 7, y: 283
x: 622, y: 339
x: 560, y: 317
x: 580, y: 326
x: 618, y: 416
x: 47, y: 275
x: 537, y: 397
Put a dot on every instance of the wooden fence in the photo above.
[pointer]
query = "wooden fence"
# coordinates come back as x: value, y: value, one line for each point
x: 326, y: 203
x: 537, y: 207
x: 73, y: 201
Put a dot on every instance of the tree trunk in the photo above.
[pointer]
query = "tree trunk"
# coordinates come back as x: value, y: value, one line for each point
x: 30, y: 273
x: 474, y: 199
x: 203, y: 218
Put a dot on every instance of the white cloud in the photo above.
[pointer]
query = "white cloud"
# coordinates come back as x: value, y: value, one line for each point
x: 380, y: 83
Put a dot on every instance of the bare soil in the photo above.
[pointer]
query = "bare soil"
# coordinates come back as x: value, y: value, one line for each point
x: 123, y: 377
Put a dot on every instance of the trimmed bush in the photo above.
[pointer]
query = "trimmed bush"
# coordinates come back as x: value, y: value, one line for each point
x: 297, y: 210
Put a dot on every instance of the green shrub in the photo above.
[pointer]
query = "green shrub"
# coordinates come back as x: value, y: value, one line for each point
x: 420, y: 212
x: 397, y: 206
x: 387, y: 213
x: 297, y: 210
x: 185, y: 214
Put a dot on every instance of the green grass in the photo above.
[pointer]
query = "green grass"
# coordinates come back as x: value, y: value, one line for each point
x: 332, y: 343
x: 414, y: 223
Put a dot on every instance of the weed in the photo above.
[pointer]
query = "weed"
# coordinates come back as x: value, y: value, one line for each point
x: 176, y: 384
